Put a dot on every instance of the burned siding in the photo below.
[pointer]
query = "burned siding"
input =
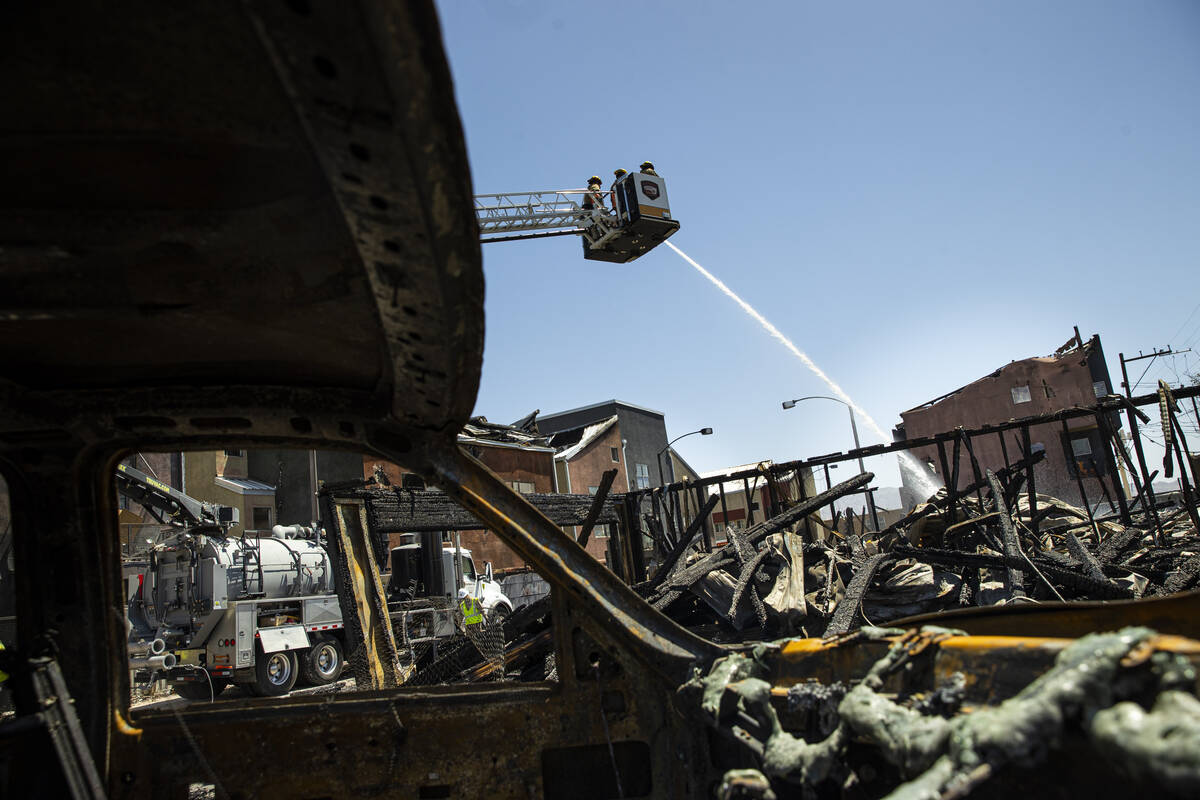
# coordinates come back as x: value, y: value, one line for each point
x: 1073, y: 377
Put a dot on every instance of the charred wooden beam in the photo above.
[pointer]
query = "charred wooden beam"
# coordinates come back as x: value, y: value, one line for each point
x: 1012, y: 545
x: 671, y: 590
x: 606, y: 482
x: 677, y: 553
x: 400, y: 510
x: 1084, y: 556
x: 847, y: 610
x: 888, y: 534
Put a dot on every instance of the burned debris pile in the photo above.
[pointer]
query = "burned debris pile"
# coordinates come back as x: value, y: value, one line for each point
x: 792, y: 576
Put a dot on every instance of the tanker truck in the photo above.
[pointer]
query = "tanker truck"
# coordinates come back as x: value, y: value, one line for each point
x: 207, y: 609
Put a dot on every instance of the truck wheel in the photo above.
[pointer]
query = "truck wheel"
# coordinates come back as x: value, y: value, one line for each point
x: 274, y: 674
x: 323, y: 662
x: 198, y: 690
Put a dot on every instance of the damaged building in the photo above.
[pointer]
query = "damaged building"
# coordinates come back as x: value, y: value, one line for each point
x: 163, y: 227
x: 1075, y: 374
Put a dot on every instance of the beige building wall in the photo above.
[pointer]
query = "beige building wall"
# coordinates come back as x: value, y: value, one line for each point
x: 200, y: 471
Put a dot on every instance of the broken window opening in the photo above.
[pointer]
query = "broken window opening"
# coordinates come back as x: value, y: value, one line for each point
x: 225, y: 605
x: 1020, y: 394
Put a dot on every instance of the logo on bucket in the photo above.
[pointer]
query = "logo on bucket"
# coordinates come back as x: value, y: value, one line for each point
x: 650, y: 189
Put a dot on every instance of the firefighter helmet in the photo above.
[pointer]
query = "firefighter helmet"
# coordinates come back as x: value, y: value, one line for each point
x: 646, y: 165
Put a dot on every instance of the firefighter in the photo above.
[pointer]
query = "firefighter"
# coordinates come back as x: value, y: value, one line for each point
x: 612, y: 192
x: 648, y: 169
x: 594, y: 195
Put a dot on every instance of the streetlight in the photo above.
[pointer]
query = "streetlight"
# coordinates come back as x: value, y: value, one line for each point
x: 853, y: 429
x: 661, y: 482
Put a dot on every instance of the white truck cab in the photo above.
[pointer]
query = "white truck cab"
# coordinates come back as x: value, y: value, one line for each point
x: 481, y: 586
x: 408, y: 579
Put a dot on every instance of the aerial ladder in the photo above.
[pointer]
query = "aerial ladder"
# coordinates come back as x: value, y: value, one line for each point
x: 626, y: 222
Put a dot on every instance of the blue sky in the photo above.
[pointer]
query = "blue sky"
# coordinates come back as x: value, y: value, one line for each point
x: 915, y: 193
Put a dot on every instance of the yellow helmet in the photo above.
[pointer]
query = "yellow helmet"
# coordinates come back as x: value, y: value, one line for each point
x: 594, y: 179
x: 619, y: 172
x: 646, y: 165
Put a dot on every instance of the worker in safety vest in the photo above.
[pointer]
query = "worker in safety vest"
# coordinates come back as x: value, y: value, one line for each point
x: 594, y: 196
x: 648, y: 169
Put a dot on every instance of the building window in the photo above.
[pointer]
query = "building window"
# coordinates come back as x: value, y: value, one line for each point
x: 600, y: 532
x: 642, y: 475
x: 616, y: 455
x: 1047, y: 390
x: 1080, y: 448
x: 1020, y: 394
x: 262, y: 518
x: 524, y: 487
x: 235, y: 453
x: 1100, y: 388
x: 593, y: 489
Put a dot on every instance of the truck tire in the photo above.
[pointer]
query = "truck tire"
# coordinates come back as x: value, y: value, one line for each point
x: 199, y: 690
x: 274, y: 673
x: 322, y: 663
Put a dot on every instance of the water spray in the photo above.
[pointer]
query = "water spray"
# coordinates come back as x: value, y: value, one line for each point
x: 923, y: 482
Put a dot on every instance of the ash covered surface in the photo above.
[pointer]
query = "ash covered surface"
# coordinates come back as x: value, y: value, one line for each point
x: 1123, y: 699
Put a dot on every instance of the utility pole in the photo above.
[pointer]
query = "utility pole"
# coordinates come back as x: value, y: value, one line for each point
x: 1151, y: 503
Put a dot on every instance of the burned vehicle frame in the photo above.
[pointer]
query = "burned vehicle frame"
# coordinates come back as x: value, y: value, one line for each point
x: 251, y: 224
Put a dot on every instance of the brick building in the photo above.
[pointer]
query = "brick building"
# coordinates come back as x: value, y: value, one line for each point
x: 1075, y: 375
x: 520, y: 457
x: 642, y: 436
x: 584, y: 455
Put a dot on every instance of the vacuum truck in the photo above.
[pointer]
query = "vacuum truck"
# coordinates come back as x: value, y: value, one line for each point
x: 207, y: 609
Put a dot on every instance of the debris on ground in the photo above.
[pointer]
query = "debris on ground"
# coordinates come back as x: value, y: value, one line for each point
x: 774, y: 579
x: 982, y: 550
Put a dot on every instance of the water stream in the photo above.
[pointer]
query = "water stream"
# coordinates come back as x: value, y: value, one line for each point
x: 918, y: 477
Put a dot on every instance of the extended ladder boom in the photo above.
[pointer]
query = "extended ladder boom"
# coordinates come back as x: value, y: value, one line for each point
x: 169, y: 506
x: 628, y: 221
x: 504, y: 217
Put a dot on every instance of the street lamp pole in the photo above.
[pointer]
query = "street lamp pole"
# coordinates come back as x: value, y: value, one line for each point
x: 854, y: 430
x: 661, y: 481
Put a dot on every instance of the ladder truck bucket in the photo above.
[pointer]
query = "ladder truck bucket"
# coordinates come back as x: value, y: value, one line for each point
x: 643, y: 220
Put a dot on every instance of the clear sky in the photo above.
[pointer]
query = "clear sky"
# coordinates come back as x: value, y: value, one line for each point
x: 915, y: 193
